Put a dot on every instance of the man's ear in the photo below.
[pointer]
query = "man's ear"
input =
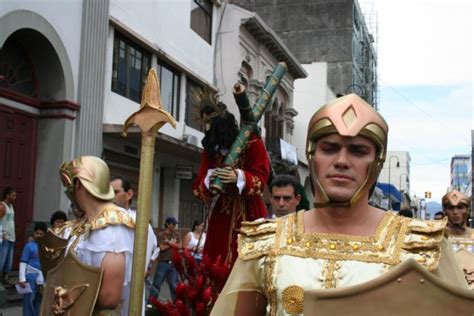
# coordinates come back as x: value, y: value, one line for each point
x: 298, y: 197
x: 77, y: 184
x: 129, y: 194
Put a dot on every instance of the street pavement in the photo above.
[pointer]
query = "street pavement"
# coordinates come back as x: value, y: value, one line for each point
x: 11, y: 310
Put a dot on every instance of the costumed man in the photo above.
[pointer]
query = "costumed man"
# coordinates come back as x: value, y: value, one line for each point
x: 456, y: 206
x: 343, y: 240
x: 101, y: 236
x: 241, y: 199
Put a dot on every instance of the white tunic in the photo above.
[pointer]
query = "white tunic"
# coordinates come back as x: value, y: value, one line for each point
x: 110, y: 231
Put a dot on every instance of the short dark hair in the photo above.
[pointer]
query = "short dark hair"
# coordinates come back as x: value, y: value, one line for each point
x: 221, y: 133
x: 58, y: 215
x: 406, y: 213
x: 283, y: 180
x: 40, y: 226
x: 125, y: 183
x: 8, y: 191
x: 439, y: 213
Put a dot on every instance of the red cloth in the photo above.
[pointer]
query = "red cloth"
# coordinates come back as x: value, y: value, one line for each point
x: 231, y: 208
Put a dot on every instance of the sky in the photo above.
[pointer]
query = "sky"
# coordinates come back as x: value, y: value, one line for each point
x: 425, y: 62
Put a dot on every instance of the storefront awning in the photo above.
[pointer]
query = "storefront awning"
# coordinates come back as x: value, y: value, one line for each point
x: 387, y: 189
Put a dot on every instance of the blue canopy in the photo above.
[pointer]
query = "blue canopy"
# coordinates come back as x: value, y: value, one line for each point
x: 395, y: 195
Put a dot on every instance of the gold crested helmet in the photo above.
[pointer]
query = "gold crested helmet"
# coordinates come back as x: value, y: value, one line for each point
x: 455, y: 198
x: 349, y: 116
x: 93, y: 173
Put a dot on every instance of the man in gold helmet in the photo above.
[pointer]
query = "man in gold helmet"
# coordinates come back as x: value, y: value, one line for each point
x: 102, y: 234
x: 456, y: 207
x: 343, y: 240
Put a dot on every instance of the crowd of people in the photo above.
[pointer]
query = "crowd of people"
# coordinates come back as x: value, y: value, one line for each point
x: 341, y: 241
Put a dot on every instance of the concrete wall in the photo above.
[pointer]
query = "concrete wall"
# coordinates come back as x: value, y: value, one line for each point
x: 318, y: 29
x: 324, y: 31
x: 52, y: 152
x: 315, y: 31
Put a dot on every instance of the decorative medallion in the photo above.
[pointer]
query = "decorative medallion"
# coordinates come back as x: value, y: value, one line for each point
x: 293, y: 297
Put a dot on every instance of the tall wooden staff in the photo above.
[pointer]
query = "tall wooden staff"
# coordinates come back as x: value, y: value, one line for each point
x: 150, y: 118
x: 250, y: 117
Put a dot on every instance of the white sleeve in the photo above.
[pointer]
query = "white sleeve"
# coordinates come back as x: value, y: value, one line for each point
x: 115, y: 239
x: 22, y: 272
x: 155, y: 254
x: 240, y: 180
x: 40, y: 279
x: 206, y: 180
x: 152, y: 244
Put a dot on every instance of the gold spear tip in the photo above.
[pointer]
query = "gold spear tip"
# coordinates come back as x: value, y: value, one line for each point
x: 151, y: 110
x: 151, y: 92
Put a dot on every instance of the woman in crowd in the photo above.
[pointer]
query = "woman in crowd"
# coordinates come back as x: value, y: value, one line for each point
x: 195, y: 239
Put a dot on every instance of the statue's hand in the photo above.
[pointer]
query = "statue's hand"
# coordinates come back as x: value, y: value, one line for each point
x: 214, y: 174
x: 227, y: 175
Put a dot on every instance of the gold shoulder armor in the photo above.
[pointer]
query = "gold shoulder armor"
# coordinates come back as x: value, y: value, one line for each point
x: 111, y: 217
x: 427, y: 226
x: 60, y: 231
x: 422, y: 241
x: 256, y: 238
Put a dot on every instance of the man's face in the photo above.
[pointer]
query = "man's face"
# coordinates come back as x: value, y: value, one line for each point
x: 171, y: 226
x: 284, y: 200
x: 11, y: 197
x: 122, y: 198
x: 341, y: 164
x: 38, y: 234
x: 456, y: 214
x: 58, y: 223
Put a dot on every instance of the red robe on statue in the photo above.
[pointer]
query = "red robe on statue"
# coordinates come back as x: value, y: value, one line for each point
x: 231, y: 207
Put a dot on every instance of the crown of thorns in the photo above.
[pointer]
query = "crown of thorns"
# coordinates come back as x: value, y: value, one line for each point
x: 208, y: 101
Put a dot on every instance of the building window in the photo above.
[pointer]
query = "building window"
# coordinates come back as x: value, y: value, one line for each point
x: 17, y: 71
x: 130, y: 67
x: 169, y: 88
x: 201, y: 19
x: 274, y: 121
x: 275, y: 118
x: 246, y: 74
x: 193, y: 115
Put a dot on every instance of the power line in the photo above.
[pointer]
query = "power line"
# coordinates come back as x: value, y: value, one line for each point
x: 416, y: 105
